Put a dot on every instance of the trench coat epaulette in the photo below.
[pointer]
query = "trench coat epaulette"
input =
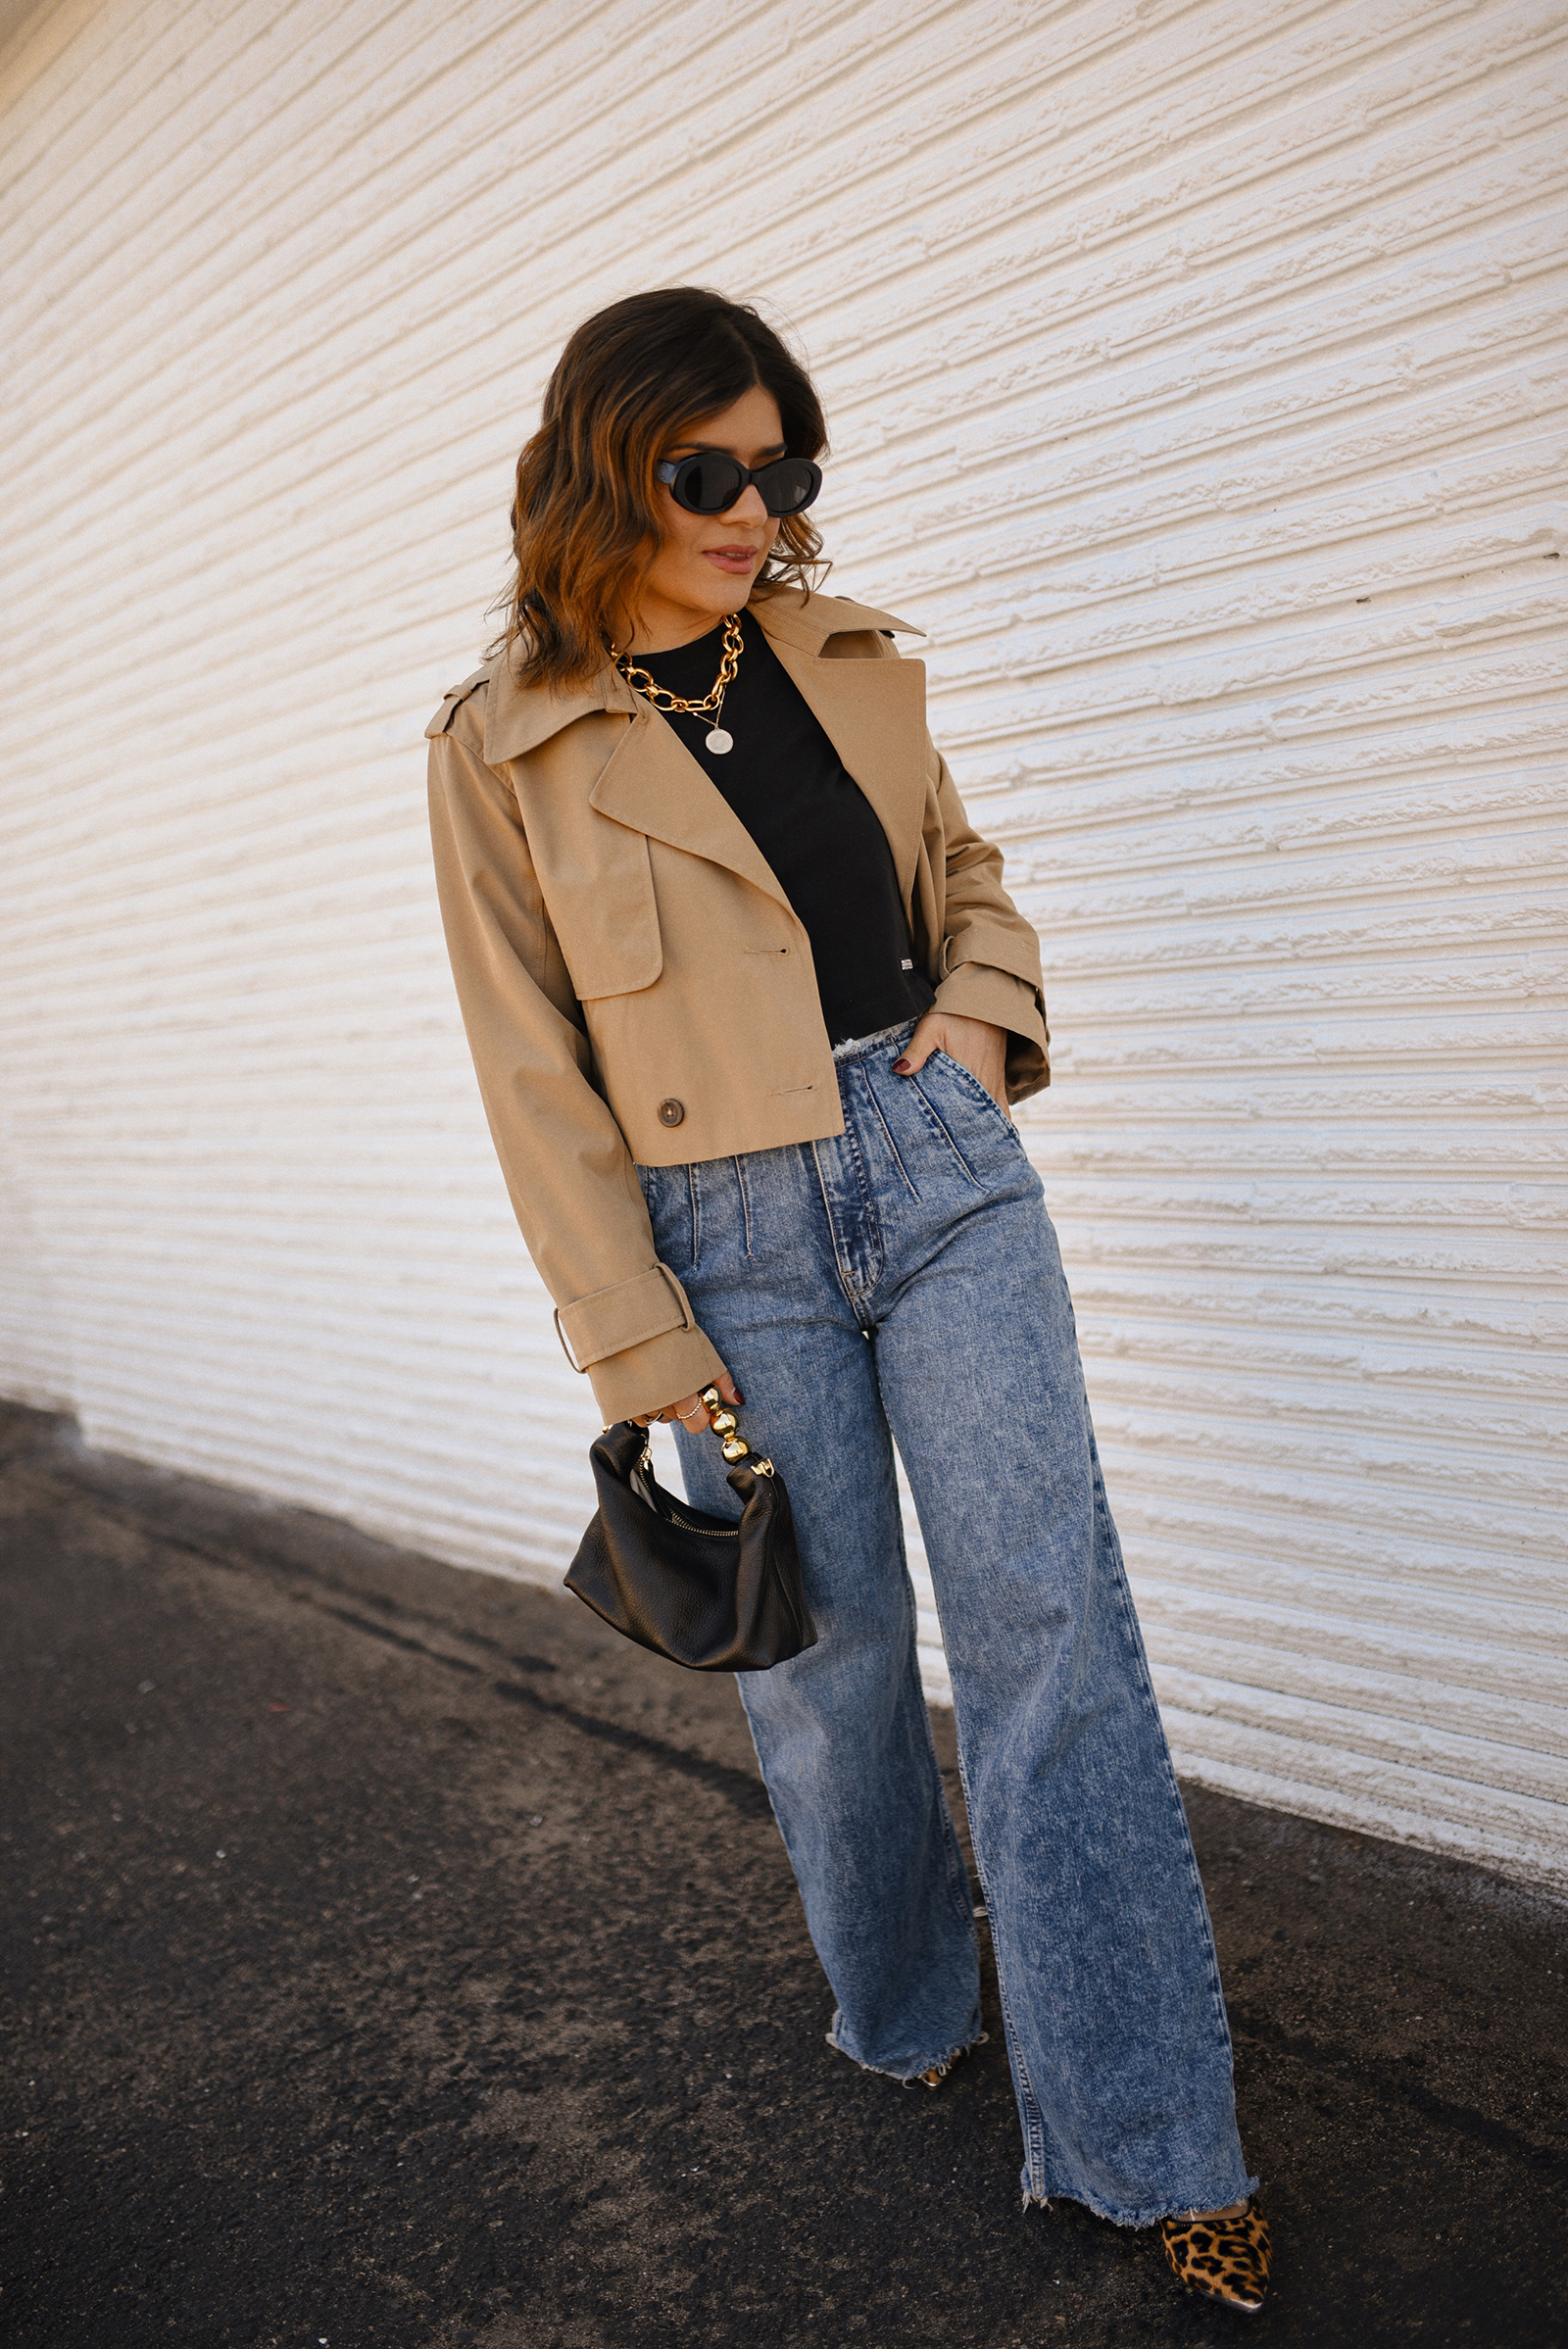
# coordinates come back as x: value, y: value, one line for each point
x: 452, y: 701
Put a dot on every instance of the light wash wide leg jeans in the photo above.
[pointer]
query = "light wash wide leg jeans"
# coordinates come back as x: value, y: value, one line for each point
x: 901, y: 1284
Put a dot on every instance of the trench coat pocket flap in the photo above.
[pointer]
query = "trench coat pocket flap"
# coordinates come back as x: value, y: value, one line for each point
x: 632, y: 1311
x: 606, y: 919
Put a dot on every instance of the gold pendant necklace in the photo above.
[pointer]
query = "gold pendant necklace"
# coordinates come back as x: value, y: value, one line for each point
x: 711, y: 704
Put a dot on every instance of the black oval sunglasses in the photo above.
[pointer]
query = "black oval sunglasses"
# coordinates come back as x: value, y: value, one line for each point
x: 710, y: 483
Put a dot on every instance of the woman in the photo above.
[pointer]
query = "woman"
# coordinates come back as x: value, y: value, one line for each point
x: 748, y: 1003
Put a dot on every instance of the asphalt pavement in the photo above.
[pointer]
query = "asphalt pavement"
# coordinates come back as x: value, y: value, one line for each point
x: 394, y: 1957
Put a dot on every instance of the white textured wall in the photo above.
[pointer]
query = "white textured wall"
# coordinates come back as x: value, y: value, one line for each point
x: 1195, y: 375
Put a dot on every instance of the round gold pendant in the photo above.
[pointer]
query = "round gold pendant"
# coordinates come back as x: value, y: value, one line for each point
x: 718, y: 741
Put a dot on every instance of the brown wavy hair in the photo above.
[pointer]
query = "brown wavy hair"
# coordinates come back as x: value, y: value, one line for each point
x: 585, y: 526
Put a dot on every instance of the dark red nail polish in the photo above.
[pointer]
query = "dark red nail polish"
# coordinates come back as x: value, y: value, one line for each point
x: 739, y: 1396
x: 900, y: 1068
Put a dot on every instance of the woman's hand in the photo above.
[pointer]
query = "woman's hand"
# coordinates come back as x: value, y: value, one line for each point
x: 690, y: 1410
x: 980, y: 1047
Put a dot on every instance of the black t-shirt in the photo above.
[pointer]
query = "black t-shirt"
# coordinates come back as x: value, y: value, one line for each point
x: 813, y: 824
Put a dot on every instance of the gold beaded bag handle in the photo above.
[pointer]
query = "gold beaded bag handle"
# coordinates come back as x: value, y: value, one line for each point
x: 732, y: 1444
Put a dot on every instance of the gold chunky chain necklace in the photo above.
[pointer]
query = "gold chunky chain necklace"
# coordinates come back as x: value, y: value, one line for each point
x: 711, y: 702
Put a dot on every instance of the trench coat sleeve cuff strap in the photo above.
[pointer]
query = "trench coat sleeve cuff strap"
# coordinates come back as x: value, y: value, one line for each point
x: 978, y: 991
x: 658, y: 1371
x: 609, y: 1320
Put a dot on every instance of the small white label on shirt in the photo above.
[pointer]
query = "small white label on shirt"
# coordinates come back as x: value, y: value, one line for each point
x: 905, y: 964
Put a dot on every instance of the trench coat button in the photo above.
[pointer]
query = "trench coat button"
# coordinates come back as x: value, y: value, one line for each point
x: 672, y: 1112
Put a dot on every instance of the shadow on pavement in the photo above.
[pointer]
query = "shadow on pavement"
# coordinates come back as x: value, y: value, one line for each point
x: 394, y: 1957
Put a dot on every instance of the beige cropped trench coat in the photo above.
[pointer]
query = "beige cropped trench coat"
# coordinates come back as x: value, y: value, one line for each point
x: 635, y: 985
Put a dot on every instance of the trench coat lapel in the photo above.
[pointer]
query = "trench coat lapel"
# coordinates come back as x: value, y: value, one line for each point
x: 651, y: 782
x: 873, y: 713
x: 654, y: 784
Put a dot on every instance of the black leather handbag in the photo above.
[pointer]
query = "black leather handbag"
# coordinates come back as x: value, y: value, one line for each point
x: 714, y: 1596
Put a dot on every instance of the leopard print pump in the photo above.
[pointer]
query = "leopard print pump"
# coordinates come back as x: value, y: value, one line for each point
x: 1225, y: 2259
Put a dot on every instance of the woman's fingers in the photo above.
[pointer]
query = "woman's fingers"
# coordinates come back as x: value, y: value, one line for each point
x: 926, y: 1040
x: 690, y: 1410
x: 976, y: 1044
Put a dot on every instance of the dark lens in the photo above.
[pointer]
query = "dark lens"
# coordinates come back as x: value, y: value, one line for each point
x: 707, y: 483
x: 789, y: 484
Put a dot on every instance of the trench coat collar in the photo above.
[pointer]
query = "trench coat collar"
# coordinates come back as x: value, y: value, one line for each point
x: 873, y: 712
x: 519, y: 718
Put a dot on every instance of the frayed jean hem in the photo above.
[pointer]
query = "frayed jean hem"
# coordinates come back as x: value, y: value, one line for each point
x: 941, y: 2064
x: 1173, y: 2207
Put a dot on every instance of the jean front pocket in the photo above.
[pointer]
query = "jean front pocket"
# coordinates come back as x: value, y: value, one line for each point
x: 973, y: 1127
x: 972, y: 1089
